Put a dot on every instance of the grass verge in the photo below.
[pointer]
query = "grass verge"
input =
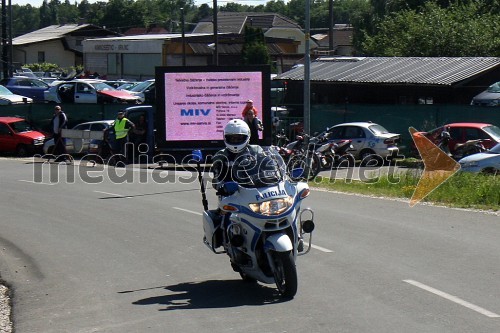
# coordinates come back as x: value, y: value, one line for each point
x: 462, y: 190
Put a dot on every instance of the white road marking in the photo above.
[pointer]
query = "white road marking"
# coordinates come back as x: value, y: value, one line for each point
x: 188, y: 211
x: 33, y: 182
x: 453, y: 299
x: 113, y: 194
x: 198, y: 213
x: 321, y: 248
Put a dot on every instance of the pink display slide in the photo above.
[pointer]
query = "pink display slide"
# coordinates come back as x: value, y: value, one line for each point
x: 198, y: 105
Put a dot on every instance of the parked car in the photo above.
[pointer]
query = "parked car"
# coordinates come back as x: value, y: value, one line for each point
x: 79, y: 146
x: 26, y: 86
x: 127, y: 86
x: 486, y: 162
x: 88, y: 91
x: 489, y: 97
x: 17, y: 135
x: 461, y: 132
x: 146, y: 91
x: 370, y: 141
x: 9, y: 98
x: 117, y: 83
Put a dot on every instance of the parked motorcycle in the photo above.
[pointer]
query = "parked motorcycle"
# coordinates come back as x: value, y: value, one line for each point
x: 296, y: 156
x: 468, y: 148
x: 335, y: 154
x: 259, y: 223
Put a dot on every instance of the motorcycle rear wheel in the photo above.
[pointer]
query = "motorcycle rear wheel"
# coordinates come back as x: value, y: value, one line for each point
x: 311, y: 170
x: 285, y: 273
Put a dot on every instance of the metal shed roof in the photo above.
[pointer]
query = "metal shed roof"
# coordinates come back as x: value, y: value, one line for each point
x: 53, y: 32
x: 395, y: 70
x: 48, y: 33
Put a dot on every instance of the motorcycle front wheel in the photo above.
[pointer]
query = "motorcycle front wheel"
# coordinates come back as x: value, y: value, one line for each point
x: 285, y: 273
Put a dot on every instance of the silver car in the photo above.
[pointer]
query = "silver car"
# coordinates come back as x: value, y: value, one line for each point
x: 370, y: 141
x: 7, y: 97
x: 79, y: 146
x: 487, y: 162
x: 489, y: 97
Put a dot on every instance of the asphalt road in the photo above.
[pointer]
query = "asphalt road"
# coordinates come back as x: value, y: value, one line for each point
x: 129, y: 257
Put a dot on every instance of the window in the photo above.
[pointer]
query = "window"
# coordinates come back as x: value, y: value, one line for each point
x: 83, y: 127
x: 472, y: 134
x: 456, y: 133
x: 336, y: 133
x: 98, y: 127
x: 4, y: 130
x: 353, y: 132
x: 41, y: 56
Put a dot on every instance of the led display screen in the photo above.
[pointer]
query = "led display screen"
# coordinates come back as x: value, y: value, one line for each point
x: 195, y: 103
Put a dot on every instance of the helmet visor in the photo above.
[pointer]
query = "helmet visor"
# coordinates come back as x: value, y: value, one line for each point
x: 236, y: 139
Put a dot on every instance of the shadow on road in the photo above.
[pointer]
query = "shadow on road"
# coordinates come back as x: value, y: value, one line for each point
x: 213, y: 294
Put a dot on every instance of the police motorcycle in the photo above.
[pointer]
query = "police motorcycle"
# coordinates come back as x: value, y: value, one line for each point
x: 259, y: 222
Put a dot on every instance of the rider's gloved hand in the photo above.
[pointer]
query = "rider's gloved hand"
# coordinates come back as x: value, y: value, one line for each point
x: 221, y: 191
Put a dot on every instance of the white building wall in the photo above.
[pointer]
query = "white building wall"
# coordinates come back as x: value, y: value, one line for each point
x: 122, y: 57
x: 54, y: 53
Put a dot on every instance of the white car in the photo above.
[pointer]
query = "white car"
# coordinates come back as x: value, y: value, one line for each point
x: 83, y: 91
x: 7, y: 97
x: 79, y: 146
x: 370, y: 141
x: 487, y: 162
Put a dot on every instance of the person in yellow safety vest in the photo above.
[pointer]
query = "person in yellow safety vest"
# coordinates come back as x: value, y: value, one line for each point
x: 121, y: 127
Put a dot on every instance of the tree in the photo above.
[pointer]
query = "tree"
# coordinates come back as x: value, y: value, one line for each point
x: 254, y: 50
x: 457, y: 31
x: 276, y: 6
x: 45, y: 20
x: 68, y: 13
x: 25, y: 19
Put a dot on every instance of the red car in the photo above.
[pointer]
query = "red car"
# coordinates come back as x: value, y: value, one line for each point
x: 462, y: 132
x: 17, y: 135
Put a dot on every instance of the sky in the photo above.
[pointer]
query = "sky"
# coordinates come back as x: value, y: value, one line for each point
x: 38, y: 3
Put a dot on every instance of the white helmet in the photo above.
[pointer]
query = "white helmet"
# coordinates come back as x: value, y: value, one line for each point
x: 236, y: 135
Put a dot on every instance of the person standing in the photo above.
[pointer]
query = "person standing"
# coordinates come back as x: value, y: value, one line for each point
x: 121, y: 127
x: 255, y: 126
x: 58, y: 123
x: 249, y: 106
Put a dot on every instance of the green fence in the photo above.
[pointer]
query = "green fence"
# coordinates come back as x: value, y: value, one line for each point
x: 396, y: 118
x: 41, y: 114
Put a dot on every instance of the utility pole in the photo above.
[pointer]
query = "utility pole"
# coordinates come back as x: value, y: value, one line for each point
x: 183, y: 38
x: 307, y: 70
x: 216, y: 37
x: 5, y: 60
x: 330, y: 27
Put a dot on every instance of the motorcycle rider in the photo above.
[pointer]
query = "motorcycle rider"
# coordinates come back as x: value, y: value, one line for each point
x: 236, y: 140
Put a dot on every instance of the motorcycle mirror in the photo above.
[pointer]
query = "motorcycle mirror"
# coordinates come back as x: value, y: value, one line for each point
x: 197, y: 155
x: 231, y: 187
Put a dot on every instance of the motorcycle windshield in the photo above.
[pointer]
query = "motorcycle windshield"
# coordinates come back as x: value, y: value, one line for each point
x: 260, y: 170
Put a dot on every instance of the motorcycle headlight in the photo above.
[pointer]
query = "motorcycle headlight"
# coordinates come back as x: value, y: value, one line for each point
x: 272, y: 207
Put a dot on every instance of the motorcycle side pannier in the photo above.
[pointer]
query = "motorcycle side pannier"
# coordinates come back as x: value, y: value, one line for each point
x: 211, y: 227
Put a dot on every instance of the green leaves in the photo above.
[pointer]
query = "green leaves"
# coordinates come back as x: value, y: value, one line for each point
x: 457, y: 31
